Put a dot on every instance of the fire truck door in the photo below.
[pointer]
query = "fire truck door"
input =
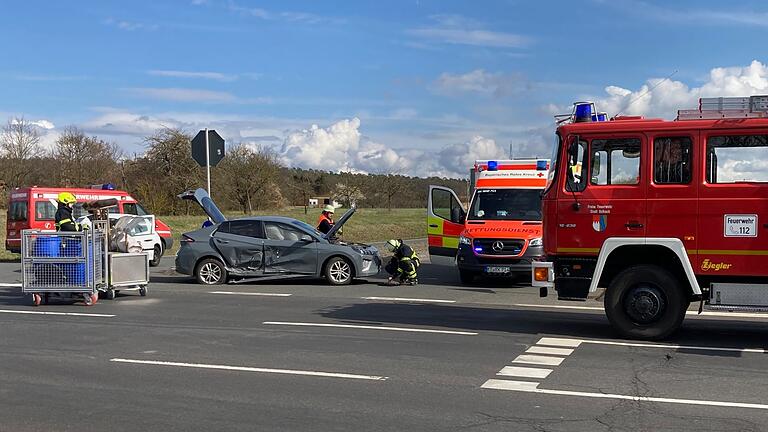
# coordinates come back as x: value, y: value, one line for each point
x: 672, y: 202
x: 604, y: 195
x: 445, y: 221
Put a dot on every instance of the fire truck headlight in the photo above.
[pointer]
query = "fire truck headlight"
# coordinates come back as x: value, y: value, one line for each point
x: 535, y: 242
x: 465, y: 240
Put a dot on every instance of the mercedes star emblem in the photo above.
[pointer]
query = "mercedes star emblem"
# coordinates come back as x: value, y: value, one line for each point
x: 497, y: 246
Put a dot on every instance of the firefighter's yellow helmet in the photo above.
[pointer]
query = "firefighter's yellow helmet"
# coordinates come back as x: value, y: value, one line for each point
x: 393, y: 244
x: 66, y: 198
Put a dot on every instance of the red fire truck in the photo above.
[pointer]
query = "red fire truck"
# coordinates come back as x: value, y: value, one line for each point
x: 659, y: 213
x: 501, y: 233
x: 35, y: 207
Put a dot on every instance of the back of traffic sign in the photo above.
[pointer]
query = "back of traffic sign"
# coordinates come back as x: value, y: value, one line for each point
x: 215, y: 146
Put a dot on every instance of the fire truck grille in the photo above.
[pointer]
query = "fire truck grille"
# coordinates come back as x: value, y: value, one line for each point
x: 499, y: 246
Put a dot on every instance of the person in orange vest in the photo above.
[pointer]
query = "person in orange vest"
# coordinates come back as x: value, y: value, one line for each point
x: 325, y: 221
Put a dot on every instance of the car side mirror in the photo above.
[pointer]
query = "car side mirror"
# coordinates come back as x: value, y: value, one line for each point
x: 306, y: 238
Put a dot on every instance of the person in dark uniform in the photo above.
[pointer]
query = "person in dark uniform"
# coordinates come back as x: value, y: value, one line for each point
x: 64, y: 220
x: 403, y: 264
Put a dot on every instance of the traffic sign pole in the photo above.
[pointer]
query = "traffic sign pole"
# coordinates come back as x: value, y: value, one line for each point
x: 208, y: 160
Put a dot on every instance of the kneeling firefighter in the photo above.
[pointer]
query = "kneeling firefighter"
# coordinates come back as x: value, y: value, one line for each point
x: 403, y: 263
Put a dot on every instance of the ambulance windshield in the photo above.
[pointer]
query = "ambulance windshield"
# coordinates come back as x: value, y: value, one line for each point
x: 506, y: 204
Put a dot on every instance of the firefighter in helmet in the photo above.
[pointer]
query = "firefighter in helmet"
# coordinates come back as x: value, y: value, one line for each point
x: 403, y: 264
x: 63, y: 218
x: 325, y: 221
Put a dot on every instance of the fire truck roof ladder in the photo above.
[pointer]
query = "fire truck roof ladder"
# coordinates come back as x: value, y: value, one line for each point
x: 727, y: 107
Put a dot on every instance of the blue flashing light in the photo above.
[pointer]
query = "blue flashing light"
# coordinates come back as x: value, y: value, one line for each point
x: 583, y: 111
x: 108, y: 186
x: 541, y: 165
x: 493, y: 165
x: 478, y: 249
x: 601, y: 117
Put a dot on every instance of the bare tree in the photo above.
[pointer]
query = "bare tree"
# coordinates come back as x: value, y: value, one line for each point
x: 248, y: 176
x: 83, y: 160
x: 348, y: 195
x: 19, y: 142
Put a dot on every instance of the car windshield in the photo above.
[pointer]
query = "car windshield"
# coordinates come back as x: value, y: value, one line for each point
x: 506, y: 204
x: 307, y: 227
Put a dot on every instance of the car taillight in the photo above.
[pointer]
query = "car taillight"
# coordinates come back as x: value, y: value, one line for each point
x: 187, y: 239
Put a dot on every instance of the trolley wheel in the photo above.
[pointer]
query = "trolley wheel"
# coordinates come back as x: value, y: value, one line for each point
x: 143, y: 291
x: 36, y: 299
x: 111, y: 294
x: 90, y: 299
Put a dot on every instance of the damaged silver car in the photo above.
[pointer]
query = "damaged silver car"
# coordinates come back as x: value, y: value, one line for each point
x: 255, y: 248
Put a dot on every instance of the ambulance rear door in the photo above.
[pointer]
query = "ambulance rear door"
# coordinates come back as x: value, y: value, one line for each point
x: 445, y: 220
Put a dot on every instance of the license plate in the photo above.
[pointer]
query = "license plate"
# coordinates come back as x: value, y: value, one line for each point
x: 497, y: 269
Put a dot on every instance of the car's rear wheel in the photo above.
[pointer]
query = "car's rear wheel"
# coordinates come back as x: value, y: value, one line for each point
x: 338, y: 271
x: 210, y: 271
x: 156, y: 256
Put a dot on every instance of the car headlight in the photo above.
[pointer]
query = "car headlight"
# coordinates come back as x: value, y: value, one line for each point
x: 465, y: 240
x: 535, y: 242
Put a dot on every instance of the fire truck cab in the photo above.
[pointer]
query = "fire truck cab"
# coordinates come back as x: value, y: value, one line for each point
x: 500, y: 235
x: 659, y: 213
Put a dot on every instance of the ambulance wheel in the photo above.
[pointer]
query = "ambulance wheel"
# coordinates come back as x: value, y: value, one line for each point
x: 111, y: 294
x: 143, y: 291
x: 36, y: 299
x: 156, y: 256
x: 210, y: 271
x: 645, y: 302
x: 466, y: 277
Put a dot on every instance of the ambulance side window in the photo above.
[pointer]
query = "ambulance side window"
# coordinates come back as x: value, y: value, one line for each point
x: 615, y: 162
x: 576, y: 167
x: 445, y: 206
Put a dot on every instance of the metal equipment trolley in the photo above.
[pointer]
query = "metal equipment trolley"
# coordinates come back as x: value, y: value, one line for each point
x: 64, y: 263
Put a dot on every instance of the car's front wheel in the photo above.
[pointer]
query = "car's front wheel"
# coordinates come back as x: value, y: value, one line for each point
x: 338, y: 271
x: 210, y: 271
x: 158, y: 253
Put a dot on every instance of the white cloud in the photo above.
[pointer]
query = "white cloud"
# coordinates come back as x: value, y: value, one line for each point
x: 667, y: 96
x: 695, y: 16
x: 300, y: 17
x: 460, y: 30
x: 479, y: 81
x: 125, y: 123
x: 183, y: 94
x: 217, y: 76
x: 129, y: 25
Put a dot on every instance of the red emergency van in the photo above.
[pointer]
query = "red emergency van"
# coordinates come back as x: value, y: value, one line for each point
x: 659, y: 213
x: 35, y: 208
x: 500, y: 235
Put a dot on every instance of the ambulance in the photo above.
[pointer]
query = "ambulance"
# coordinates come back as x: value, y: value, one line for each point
x: 650, y: 215
x: 500, y: 235
x: 35, y: 208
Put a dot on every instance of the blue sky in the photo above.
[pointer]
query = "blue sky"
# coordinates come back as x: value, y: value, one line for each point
x: 415, y: 87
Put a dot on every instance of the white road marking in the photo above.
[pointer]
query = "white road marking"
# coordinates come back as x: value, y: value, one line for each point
x: 402, y: 329
x: 679, y: 347
x: 560, y: 342
x: 26, y: 312
x: 10, y: 285
x: 550, y: 351
x: 245, y: 293
x: 532, y: 387
x: 538, y: 360
x: 524, y: 372
x: 252, y: 369
x: 687, y: 313
x: 406, y: 299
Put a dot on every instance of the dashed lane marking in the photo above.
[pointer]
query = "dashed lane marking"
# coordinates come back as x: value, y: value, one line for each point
x: 549, y: 351
x: 10, y: 285
x: 245, y: 293
x: 524, y: 372
x: 533, y: 387
x: 538, y: 360
x: 25, y: 312
x: 411, y: 300
x: 251, y: 369
x: 367, y: 327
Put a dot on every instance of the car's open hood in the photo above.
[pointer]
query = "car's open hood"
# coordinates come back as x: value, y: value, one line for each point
x: 200, y: 196
x: 337, y: 225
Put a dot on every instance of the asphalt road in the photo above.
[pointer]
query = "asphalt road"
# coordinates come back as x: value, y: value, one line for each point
x: 303, y: 356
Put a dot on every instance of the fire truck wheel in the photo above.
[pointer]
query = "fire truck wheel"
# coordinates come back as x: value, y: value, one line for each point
x: 645, y: 302
x: 466, y: 277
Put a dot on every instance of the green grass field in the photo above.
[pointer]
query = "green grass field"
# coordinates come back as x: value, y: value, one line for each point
x: 367, y: 225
